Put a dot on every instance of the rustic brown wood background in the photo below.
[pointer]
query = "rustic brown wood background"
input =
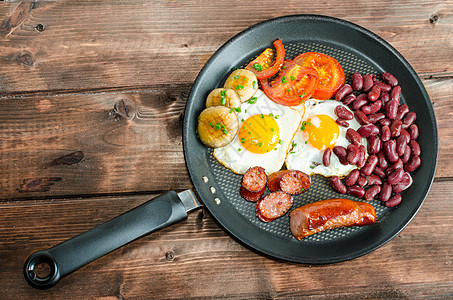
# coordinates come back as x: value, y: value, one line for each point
x: 72, y: 156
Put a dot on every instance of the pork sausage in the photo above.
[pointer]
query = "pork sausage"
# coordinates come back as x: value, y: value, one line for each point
x: 273, y: 206
x: 290, y: 181
x: 253, y: 184
x: 295, y: 182
x: 329, y: 214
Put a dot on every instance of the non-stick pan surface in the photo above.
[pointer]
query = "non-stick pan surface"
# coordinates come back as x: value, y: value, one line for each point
x: 357, y: 50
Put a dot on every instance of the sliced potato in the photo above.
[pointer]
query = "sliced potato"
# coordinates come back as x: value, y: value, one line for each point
x: 244, y: 82
x: 225, y: 97
x: 217, y: 126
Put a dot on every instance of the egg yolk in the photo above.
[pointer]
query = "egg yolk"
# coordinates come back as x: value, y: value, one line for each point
x: 321, y: 131
x: 259, y: 134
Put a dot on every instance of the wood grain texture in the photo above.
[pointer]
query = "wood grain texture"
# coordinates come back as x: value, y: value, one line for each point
x: 196, y: 258
x: 92, y: 96
x: 128, y: 142
x: 72, y: 45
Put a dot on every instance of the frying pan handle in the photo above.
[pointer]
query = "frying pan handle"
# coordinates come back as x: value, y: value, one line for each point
x: 80, y: 250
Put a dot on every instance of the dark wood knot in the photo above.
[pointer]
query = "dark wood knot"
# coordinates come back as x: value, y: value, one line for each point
x: 170, y: 255
x: 434, y: 19
x: 125, y: 108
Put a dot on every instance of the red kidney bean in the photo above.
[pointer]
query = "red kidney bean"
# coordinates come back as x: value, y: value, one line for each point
x: 406, y: 135
x: 344, y: 113
x: 384, y: 97
x: 413, y: 131
x: 395, y: 94
x: 413, y: 163
x: 374, y: 144
x: 405, y: 182
x: 326, y: 157
x: 401, y: 143
x: 352, y: 177
x: 415, y: 147
x: 357, y: 81
x: 359, y: 102
x: 382, y: 162
x: 407, y: 154
x: 342, y: 122
x: 386, y: 192
x: 379, y: 172
x: 409, y: 119
x: 396, y: 165
x: 348, y: 99
x: 369, y: 165
x: 384, y: 87
x: 341, y: 153
x: 356, y: 191
x: 337, y: 185
x: 353, y: 154
x: 368, y: 82
x: 362, y: 158
x: 391, y: 108
x: 353, y: 137
x: 395, y: 127
x: 361, y: 181
x: 393, y: 201
x: 374, y: 179
x: 395, y: 176
x: 373, y: 118
x: 372, y: 108
x: 390, y: 151
x: 361, y: 117
x: 372, y: 192
x: 368, y: 130
x: 385, y: 122
x: 386, y: 134
x: 389, y: 78
x: 374, y: 93
x: 345, y: 90
x: 403, y: 109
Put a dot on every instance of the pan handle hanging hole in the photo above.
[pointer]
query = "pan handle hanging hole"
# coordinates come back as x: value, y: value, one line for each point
x: 217, y: 201
x: 205, y: 179
x: 212, y: 189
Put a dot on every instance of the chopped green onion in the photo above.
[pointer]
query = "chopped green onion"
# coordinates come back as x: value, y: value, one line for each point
x: 284, y: 79
x: 288, y: 90
x: 217, y: 126
x: 237, y: 109
x: 292, y: 78
x: 236, y: 77
x: 276, y: 116
x: 210, y: 124
x: 243, y: 140
x: 239, y: 149
x: 262, y: 116
x: 280, y: 142
x: 222, y: 100
x: 223, y: 93
x: 254, y: 84
x: 257, y: 67
x: 225, y: 131
x: 252, y: 100
x: 239, y: 87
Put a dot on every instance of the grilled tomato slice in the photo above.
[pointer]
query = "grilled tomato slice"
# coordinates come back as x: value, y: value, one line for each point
x: 330, y: 73
x: 263, y: 66
x: 293, y: 85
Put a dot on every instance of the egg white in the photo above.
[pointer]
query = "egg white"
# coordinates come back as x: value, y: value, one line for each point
x: 306, y: 158
x: 238, y: 159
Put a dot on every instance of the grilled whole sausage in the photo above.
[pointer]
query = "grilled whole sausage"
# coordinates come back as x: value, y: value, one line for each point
x: 329, y: 214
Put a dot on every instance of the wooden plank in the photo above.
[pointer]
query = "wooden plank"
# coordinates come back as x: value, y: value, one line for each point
x: 72, y: 45
x: 82, y: 144
x: 196, y: 258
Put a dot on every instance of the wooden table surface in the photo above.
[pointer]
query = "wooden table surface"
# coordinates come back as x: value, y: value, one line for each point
x: 71, y: 157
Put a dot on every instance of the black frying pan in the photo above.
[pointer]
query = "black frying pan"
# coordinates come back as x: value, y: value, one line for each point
x: 357, y: 50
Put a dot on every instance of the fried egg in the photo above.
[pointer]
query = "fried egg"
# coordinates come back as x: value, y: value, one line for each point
x: 319, y: 131
x: 266, y: 130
